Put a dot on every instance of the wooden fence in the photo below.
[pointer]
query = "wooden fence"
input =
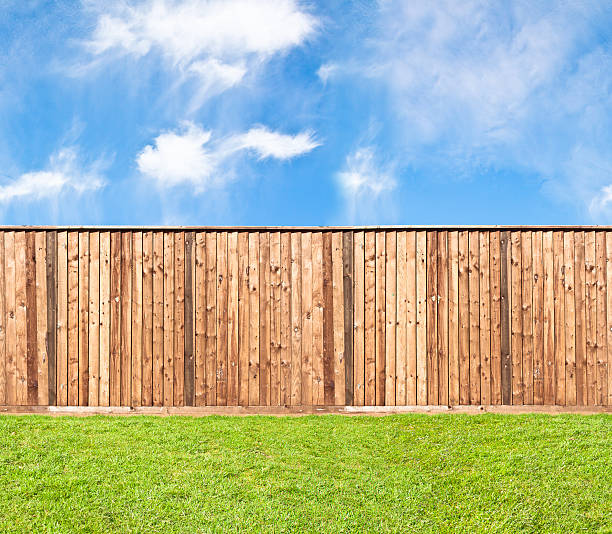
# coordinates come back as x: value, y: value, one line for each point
x: 305, y: 316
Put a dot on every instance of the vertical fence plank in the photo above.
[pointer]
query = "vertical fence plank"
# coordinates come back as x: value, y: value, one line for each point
x: 3, y: 373
x: 126, y: 319
x: 602, y: 337
x: 232, y: 326
x: 158, y: 318
x: 318, y: 390
x: 328, y: 322
x: 453, y: 318
x: 359, y: 318
x: 390, y: 294
x: 609, y: 313
x: 31, y: 320
x: 51, y: 296
x: 73, y: 318
x: 211, y: 314
x: 485, y: 319
x: 505, y: 345
x: 559, y: 327
x: 411, y: 320
x: 570, y: 321
x: 296, y: 318
x: 538, y: 318
x: 243, y: 319
x: 421, y: 316
x: 179, y: 319
x: 432, y: 318
x: 11, y: 326
x: 338, y: 317
x: 168, y: 344
x: 401, y: 320
x: 62, y: 312
x: 137, y: 319
x: 21, y: 361
x: 254, y: 319
x: 105, y: 304
x: 516, y: 318
x: 275, y: 319
x: 443, y: 318
x: 306, y: 380
x: 83, y: 311
x: 474, y: 304
x: 94, y: 320
x: 591, y: 316
x: 222, y: 318
x: 380, y: 318
x: 147, y: 321
x: 200, y: 316
x: 549, y: 319
x: 464, y: 319
x: 580, y: 292
x: 370, y: 319
x: 348, y: 320
x: 527, y: 316
x: 495, y: 288
x: 285, y: 333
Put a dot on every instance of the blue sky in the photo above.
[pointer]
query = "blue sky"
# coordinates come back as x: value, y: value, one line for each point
x: 288, y: 112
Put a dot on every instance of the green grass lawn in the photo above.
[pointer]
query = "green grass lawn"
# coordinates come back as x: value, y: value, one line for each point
x: 442, y: 473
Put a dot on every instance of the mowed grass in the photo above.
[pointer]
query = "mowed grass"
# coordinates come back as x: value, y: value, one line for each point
x: 443, y: 473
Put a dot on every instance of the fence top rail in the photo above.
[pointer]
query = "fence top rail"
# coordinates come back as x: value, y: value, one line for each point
x: 433, y: 227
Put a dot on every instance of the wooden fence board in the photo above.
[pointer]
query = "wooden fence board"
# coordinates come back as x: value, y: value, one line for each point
x: 390, y: 293
x: 158, y: 319
x: 559, y: 326
x: 495, y: 288
x: 505, y: 344
x: 105, y: 305
x: 296, y: 319
x: 232, y: 326
x: 306, y: 368
x: 51, y: 340
x: 527, y: 316
x: 285, y: 326
x: 73, y: 318
x: 485, y: 318
x: 580, y: 293
x: 370, y: 319
x: 126, y: 321
x: 474, y: 322
x: 31, y: 318
x: 318, y: 390
x: 93, y: 344
x: 538, y: 318
x: 137, y: 319
x: 401, y: 320
x: 464, y: 319
x: 516, y: 320
x: 570, y: 321
x: 168, y: 325
x: 549, y: 319
x: 147, y: 321
x: 421, y: 317
x: 179, y: 319
x: 222, y: 319
x: 328, y: 322
x: 254, y: 319
x: 432, y: 318
x: 62, y: 310
x: 442, y: 319
x: 453, y: 318
x: 42, y: 397
x: 348, y: 320
x: 411, y: 320
x: 591, y: 316
x: 380, y: 318
x: 359, y: 317
x: 601, y: 398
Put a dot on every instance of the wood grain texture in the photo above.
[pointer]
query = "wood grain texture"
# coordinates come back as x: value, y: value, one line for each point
x: 421, y: 317
x: 318, y: 372
x: 328, y: 322
x: 359, y: 318
x: 105, y: 307
x: 580, y: 293
x: 485, y: 318
x: 42, y: 397
x: 307, y: 315
x: 390, y: 293
x: 267, y: 319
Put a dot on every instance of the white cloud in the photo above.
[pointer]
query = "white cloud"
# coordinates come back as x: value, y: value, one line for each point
x: 63, y: 174
x: 362, y: 175
x: 366, y: 185
x: 326, y: 71
x: 273, y: 144
x: 218, y: 39
x: 190, y: 157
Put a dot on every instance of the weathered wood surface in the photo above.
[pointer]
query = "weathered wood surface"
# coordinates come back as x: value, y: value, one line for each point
x: 305, y: 317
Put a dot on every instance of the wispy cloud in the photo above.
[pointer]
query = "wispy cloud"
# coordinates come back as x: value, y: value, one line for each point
x: 477, y: 86
x: 64, y: 173
x: 364, y: 182
x: 189, y: 157
x: 218, y: 41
